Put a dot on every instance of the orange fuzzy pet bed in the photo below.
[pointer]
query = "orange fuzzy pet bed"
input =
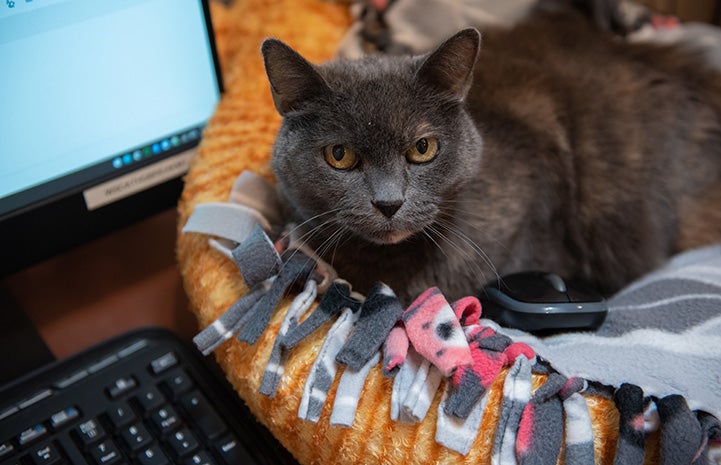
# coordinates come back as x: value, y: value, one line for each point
x: 527, y: 413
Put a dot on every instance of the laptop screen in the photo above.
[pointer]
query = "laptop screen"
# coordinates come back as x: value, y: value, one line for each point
x: 100, y: 98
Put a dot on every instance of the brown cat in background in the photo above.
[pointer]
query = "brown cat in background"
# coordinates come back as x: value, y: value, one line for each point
x: 557, y: 148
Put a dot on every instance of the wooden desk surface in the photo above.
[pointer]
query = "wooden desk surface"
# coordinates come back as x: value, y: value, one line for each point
x: 120, y: 282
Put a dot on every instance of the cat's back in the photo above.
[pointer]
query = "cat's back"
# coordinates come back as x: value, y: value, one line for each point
x: 628, y: 134
x: 605, y: 99
x: 566, y: 58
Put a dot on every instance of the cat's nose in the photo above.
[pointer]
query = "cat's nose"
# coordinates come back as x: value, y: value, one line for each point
x: 388, y: 208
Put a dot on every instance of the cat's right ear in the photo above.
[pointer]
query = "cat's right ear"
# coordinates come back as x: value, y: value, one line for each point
x: 293, y: 80
x: 449, y: 69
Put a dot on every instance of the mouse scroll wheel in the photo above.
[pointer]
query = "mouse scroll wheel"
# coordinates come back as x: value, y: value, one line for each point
x: 555, y: 281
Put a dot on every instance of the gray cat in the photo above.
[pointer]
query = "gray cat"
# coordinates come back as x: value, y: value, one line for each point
x: 563, y: 149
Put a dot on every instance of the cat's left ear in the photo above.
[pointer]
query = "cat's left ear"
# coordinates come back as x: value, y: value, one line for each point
x: 293, y: 79
x: 449, y: 69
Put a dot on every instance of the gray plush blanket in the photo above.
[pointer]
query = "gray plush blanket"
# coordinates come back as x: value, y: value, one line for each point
x: 662, y: 332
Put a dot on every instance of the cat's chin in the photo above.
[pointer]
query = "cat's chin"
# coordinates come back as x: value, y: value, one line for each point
x: 391, y: 237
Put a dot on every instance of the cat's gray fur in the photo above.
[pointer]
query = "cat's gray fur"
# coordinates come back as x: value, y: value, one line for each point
x: 565, y: 150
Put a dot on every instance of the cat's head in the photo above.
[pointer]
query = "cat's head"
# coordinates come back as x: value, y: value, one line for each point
x: 376, y: 147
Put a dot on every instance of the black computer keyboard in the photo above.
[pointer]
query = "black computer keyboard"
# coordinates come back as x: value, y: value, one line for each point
x: 145, y: 398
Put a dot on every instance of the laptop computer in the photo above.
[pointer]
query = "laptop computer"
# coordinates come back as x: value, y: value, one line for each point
x: 103, y: 103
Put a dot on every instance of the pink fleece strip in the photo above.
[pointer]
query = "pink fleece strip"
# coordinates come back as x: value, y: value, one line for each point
x: 436, y: 333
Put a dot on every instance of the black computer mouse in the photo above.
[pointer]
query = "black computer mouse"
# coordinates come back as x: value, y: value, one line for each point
x: 537, y: 301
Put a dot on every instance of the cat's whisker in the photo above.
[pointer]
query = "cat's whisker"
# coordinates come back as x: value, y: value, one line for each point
x: 313, y: 218
x: 307, y: 236
x: 470, y: 258
x: 303, y: 239
x: 451, y: 228
x: 463, y: 217
x: 340, y: 242
x: 329, y: 242
x: 427, y: 232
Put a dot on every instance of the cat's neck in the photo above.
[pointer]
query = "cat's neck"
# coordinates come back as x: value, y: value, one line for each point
x: 460, y: 251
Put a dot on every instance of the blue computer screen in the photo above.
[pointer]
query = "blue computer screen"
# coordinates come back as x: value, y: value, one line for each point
x: 88, y: 87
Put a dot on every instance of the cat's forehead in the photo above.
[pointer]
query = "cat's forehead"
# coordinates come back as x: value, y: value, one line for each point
x: 370, y: 66
x: 380, y: 90
x: 381, y: 75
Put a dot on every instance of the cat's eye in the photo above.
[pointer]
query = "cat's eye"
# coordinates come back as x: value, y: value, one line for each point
x: 423, y: 151
x: 340, y: 157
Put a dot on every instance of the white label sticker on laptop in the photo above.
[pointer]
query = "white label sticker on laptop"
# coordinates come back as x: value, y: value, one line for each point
x: 132, y: 183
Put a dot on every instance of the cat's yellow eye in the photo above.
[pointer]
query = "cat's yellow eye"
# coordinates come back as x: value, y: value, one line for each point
x: 423, y: 151
x: 339, y: 156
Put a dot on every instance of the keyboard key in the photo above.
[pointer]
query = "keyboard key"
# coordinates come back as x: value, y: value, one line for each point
x: 133, y: 348
x: 89, y: 431
x: 152, y: 455
x: 200, y: 458
x: 136, y: 436
x: 150, y: 399
x: 178, y: 383
x: 32, y: 434
x: 232, y: 451
x: 6, y: 413
x: 120, y: 415
x: 203, y: 415
x: 35, y: 398
x: 106, y: 452
x: 166, y: 420
x: 6, y: 448
x: 183, y: 442
x: 47, y: 454
x: 102, y: 364
x: 163, y: 363
x: 122, y: 386
x: 70, y: 379
x: 63, y: 417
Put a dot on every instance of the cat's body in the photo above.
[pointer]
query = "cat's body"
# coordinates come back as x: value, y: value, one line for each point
x: 571, y: 152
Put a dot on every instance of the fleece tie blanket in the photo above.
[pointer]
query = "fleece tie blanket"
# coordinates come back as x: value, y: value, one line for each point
x: 657, y: 354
